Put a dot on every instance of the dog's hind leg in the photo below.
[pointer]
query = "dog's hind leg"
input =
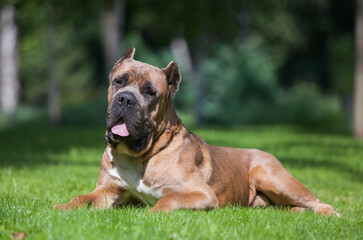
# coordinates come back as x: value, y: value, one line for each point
x: 267, y: 175
x: 257, y: 199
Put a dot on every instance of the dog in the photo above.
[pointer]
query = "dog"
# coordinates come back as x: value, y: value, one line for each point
x: 151, y: 157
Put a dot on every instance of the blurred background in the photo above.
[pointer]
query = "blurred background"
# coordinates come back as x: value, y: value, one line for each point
x: 242, y: 62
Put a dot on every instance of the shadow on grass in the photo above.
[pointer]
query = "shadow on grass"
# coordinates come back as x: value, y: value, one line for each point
x: 35, y: 143
x: 337, y: 156
x: 354, y: 173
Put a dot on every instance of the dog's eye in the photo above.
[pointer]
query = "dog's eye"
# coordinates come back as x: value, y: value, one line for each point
x: 120, y: 80
x: 149, y: 91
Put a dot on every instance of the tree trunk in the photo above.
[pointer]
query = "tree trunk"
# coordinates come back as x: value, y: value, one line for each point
x: 112, y: 21
x: 199, y: 60
x: 358, y: 88
x: 180, y: 50
x: 9, y: 83
x: 54, y: 108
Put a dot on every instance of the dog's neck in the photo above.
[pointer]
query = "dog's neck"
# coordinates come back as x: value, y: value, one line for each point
x: 170, y: 115
x: 172, y: 125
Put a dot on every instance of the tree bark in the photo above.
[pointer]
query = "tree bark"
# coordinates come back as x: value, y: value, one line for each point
x: 112, y: 21
x: 199, y: 60
x: 180, y: 50
x: 9, y: 83
x: 358, y: 88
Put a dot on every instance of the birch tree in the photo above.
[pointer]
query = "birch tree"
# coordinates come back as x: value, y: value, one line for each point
x: 112, y: 19
x: 9, y: 83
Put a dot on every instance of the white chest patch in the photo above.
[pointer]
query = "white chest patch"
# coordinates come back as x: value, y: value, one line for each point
x: 129, y: 176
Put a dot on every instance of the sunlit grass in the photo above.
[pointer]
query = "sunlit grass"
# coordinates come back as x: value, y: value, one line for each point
x: 41, y: 166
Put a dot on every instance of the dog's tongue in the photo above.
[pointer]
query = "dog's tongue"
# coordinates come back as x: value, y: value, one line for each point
x: 120, y: 129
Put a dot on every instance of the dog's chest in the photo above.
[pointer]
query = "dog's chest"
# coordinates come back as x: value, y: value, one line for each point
x: 128, y: 175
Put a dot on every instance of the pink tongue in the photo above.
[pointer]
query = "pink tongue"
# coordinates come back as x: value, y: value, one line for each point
x: 120, y: 129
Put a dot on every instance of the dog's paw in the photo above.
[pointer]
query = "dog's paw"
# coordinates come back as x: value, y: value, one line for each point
x: 326, y: 210
x: 157, y: 209
x: 337, y: 214
x: 60, y: 207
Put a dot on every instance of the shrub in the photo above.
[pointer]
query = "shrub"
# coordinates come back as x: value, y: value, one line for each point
x: 241, y: 84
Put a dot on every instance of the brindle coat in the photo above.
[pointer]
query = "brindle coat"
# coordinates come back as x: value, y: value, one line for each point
x: 162, y: 163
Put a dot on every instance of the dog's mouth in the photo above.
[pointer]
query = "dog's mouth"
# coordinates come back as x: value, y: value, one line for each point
x: 120, y: 128
x: 124, y: 131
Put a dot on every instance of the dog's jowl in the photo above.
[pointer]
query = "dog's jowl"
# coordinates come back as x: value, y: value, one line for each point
x: 153, y: 159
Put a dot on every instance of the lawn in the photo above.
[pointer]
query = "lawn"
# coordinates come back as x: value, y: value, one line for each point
x: 41, y: 166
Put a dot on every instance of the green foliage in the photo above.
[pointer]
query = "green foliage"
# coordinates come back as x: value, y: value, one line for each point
x: 278, y: 27
x: 305, y: 104
x: 52, y: 165
x: 75, y: 67
x: 236, y: 77
x: 341, y: 63
x: 33, y: 52
x: 143, y: 53
x: 242, y: 87
x: 253, y: 50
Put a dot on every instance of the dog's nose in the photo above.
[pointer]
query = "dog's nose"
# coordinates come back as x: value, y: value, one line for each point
x: 127, y: 98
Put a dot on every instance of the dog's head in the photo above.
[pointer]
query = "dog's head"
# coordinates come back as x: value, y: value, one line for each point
x: 138, y: 98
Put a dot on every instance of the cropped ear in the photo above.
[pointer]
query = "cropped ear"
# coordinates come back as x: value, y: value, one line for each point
x: 128, y: 54
x: 173, y: 77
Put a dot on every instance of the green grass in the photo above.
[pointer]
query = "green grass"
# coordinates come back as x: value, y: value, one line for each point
x: 41, y: 166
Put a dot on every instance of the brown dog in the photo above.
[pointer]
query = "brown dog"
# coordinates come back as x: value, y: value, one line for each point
x: 152, y: 158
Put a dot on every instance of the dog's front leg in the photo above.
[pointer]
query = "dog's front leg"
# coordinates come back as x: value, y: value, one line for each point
x: 192, y: 200
x: 100, y: 198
